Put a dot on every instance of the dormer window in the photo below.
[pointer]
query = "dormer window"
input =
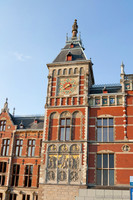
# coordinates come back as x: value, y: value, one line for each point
x: 21, y: 126
x: 71, y: 45
x: 35, y: 121
x: 69, y: 56
x: 2, y: 125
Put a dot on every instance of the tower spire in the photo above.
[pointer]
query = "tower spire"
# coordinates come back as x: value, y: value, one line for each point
x: 74, y: 29
x: 5, y: 109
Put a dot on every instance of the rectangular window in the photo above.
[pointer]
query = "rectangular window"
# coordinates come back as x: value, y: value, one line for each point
x: 38, y: 175
x: 105, y: 169
x: 40, y: 148
x: 28, y: 175
x: 5, y: 147
x: 3, y: 166
x: 15, y: 175
x: 105, y: 130
x: 26, y: 197
x: 18, y: 148
x: 13, y: 196
x: 31, y: 148
x: 65, y: 129
x: 2, y: 125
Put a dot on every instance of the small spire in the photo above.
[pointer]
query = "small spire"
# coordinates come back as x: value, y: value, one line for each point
x: 13, y: 111
x: 5, y: 109
x: 74, y: 29
x: 122, y: 68
x: 66, y: 37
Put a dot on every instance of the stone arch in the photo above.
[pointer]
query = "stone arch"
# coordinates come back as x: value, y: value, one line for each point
x: 65, y: 114
x: 53, y: 72
x: 76, y: 70
x: 59, y: 71
x: 65, y: 71
x: 70, y: 71
x: 81, y: 70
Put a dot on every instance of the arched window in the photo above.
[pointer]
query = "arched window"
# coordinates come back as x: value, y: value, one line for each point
x: 53, y: 126
x: 76, y: 71
x: 70, y: 71
x: 54, y: 72
x: 65, y: 126
x: 59, y: 72
x: 64, y: 71
x: 81, y: 70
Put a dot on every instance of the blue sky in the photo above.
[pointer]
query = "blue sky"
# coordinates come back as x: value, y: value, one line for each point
x: 32, y: 32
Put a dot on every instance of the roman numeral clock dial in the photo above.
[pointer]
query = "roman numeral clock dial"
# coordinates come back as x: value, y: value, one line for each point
x: 67, y: 86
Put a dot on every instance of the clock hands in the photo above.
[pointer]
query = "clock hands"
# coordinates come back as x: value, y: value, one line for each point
x: 68, y: 85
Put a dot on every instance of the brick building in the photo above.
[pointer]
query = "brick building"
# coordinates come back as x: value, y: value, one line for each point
x: 20, y: 155
x: 85, y: 140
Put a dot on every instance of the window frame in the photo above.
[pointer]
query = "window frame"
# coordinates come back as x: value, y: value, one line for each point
x: 13, y: 196
x: 102, y: 168
x: 103, y: 127
x: 31, y: 148
x: 18, y: 147
x: 15, y: 176
x: 5, y: 147
x: 3, y: 173
x: 2, y: 125
x: 65, y: 127
x: 28, y: 176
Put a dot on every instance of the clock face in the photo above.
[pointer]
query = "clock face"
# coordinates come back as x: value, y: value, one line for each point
x: 67, y: 86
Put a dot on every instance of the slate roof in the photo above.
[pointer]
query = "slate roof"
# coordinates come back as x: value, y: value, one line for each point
x: 77, y: 51
x: 28, y: 122
x: 111, y: 88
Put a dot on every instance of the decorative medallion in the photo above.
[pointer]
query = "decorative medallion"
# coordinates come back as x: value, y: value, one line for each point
x: 112, y: 101
x: 63, y: 148
x: 75, y: 148
x: 97, y: 101
x: 52, y: 148
x: 126, y: 148
x: 127, y: 86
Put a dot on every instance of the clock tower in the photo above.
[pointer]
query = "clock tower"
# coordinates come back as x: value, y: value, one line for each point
x: 64, y: 156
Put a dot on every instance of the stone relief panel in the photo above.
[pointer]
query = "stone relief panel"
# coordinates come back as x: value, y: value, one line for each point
x: 63, y: 164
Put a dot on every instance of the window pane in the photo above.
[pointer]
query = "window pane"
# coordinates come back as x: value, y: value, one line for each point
x: 29, y: 151
x: 67, y: 133
x: 99, y: 134
x: 99, y: 161
x: 110, y: 122
x: 104, y: 134
x: 28, y: 197
x: 4, y: 170
x: 31, y: 169
x: 99, y: 122
x: 67, y: 122
x: 62, y: 134
x: 105, y: 177
x: 111, y: 160
x: 33, y: 142
x: 29, y: 142
x: 8, y: 142
x: 17, y: 142
x: 7, y: 150
x: 62, y: 122
x: 30, y: 181
x: 26, y: 169
x: 20, y: 151
x: 33, y: 151
x: 105, y: 160
x: 3, y: 180
x: 104, y: 122
x: 21, y: 142
x: 99, y: 177
x: 111, y: 177
x: 111, y: 135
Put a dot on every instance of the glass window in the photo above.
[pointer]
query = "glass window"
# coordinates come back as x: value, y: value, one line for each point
x: 31, y: 148
x: 2, y: 125
x: 5, y: 147
x: 15, y: 175
x: 65, y: 133
x: 18, y: 148
x: 105, y: 130
x: 28, y: 175
x: 105, y: 169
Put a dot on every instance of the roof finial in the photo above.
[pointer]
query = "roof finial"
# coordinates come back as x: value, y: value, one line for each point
x: 66, y: 37
x: 5, y: 109
x: 122, y: 68
x: 74, y: 29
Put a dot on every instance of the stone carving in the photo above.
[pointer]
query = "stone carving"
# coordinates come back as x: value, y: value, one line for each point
x: 75, y: 148
x: 63, y: 161
x: 52, y: 161
x: 51, y: 176
x: 126, y: 148
x: 74, y: 162
x: 62, y: 176
x: 65, y: 114
x: 63, y: 148
x: 74, y: 176
x: 52, y: 148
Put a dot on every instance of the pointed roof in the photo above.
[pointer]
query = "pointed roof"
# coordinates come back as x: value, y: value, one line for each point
x: 73, y: 46
x: 5, y: 109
